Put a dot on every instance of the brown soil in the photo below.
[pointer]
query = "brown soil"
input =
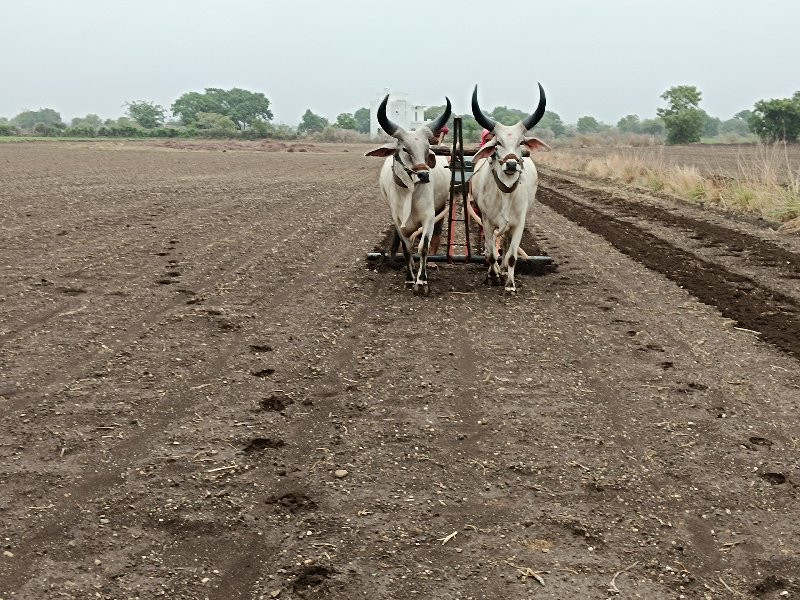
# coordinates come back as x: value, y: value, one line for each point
x: 206, y: 393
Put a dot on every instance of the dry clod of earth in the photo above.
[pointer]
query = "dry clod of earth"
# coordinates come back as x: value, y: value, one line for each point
x: 615, y: 429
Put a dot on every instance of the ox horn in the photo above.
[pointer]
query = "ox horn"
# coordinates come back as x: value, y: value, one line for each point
x: 532, y: 120
x: 389, y: 127
x: 440, y: 122
x: 480, y: 117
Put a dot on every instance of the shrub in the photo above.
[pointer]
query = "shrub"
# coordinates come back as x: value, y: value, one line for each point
x: 335, y: 134
x: 43, y: 130
x: 263, y: 130
x: 80, y: 131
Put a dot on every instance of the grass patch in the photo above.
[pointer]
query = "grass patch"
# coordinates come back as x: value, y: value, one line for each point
x: 760, y: 187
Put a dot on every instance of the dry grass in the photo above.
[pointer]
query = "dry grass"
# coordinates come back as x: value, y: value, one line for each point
x: 611, y: 137
x: 760, y: 187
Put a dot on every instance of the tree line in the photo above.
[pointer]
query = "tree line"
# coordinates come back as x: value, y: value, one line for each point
x: 242, y: 113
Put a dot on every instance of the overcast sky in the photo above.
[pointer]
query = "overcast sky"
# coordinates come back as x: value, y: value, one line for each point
x: 605, y: 59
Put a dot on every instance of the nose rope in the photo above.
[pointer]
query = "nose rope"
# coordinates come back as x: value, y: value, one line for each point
x: 511, y: 156
x: 408, y: 171
x: 506, y: 189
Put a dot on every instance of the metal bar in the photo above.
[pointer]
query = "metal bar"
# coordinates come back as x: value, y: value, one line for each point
x: 451, y: 232
x: 464, y: 191
x: 472, y: 258
x: 446, y: 151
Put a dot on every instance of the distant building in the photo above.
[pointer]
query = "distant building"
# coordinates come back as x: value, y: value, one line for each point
x: 399, y: 110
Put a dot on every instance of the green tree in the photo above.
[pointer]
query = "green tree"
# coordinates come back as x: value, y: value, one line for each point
x: 507, y: 116
x: 734, y: 126
x: 42, y: 129
x: 346, y: 121
x: 471, y: 131
x: 189, y: 105
x: 90, y: 120
x: 777, y: 119
x: 685, y: 127
x: 362, y: 119
x: 683, y: 118
x: 553, y: 122
x: 629, y: 124
x: 80, y: 131
x: 262, y: 129
x: 28, y: 119
x: 654, y: 127
x: 214, y: 121
x: 433, y: 111
x: 243, y: 107
x: 7, y: 128
x: 588, y: 124
x: 710, y: 125
x: 146, y: 114
x: 681, y: 97
x: 311, y: 123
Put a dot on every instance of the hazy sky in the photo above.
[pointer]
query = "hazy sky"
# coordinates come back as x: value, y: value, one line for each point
x: 606, y: 59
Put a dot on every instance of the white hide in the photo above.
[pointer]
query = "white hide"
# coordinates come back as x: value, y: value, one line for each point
x: 504, y: 214
x: 416, y: 206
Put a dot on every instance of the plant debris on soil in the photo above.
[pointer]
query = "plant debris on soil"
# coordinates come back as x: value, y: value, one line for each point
x: 283, y: 419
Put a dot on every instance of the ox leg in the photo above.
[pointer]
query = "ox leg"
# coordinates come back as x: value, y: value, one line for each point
x: 510, y: 257
x: 421, y: 284
x: 491, y: 253
x: 405, y: 244
x: 395, y: 245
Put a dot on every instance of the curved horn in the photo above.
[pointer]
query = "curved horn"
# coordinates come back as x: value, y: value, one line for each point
x: 532, y: 120
x: 441, y: 121
x: 389, y: 127
x: 481, y: 118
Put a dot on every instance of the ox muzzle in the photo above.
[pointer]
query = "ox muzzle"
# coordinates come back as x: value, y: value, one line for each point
x: 510, y: 163
x: 422, y: 172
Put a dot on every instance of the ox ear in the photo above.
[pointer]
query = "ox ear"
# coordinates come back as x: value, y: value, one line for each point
x: 535, y: 144
x: 486, y: 151
x: 431, y: 160
x: 382, y: 151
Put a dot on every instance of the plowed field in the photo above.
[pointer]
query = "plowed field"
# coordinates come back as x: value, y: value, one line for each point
x: 206, y: 391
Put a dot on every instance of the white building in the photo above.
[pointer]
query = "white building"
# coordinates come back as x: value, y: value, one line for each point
x: 399, y: 110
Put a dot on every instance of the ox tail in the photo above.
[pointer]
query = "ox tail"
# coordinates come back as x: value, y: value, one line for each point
x: 473, y: 214
x: 436, y: 219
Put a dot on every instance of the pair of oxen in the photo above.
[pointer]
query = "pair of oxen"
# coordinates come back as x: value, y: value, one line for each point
x: 415, y: 183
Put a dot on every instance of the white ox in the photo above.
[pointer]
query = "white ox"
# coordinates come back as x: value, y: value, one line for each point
x: 415, y: 183
x: 504, y: 186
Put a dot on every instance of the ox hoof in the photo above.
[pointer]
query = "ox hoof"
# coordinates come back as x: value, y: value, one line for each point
x: 410, y: 284
x: 422, y: 289
x: 510, y: 291
x: 493, y: 281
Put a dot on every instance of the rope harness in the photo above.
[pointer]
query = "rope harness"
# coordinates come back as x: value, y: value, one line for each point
x: 505, y: 188
x: 408, y: 171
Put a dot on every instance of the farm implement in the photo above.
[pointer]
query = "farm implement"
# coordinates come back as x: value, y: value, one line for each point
x: 468, y: 246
